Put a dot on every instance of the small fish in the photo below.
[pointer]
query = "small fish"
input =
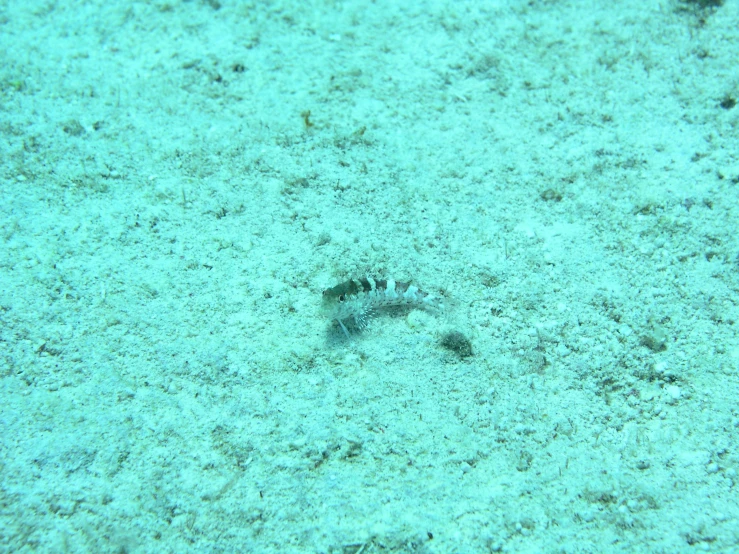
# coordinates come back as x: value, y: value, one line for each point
x: 358, y: 299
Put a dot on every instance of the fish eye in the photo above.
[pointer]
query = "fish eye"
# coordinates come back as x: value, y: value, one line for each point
x: 341, y: 298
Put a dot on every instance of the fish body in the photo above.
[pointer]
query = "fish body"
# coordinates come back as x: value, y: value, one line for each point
x: 357, y: 300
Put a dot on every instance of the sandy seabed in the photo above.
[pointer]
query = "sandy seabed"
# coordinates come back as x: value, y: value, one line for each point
x: 180, y: 181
